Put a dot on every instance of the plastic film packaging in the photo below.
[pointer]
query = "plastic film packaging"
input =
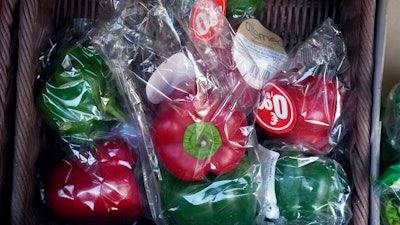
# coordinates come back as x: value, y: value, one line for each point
x: 387, y: 188
x: 74, y: 94
x: 307, y: 103
x: 311, y: 189
x: 196, y: 110
x: 89, y: 169
x: 391, y: 117
x: 239, y: 10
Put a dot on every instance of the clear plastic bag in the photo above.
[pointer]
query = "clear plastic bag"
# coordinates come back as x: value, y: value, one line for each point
x: 390, y: 117
x: 306, y: 104
x: 195, y: 107
x: 311, y: 189
x: 89, y: 169
x: 239, y: 10
x: 386, y: 187
x: 74, y: 92
x: 100, y: 183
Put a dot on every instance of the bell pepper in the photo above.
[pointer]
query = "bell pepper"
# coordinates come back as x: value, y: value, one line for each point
x: 391, y: 118
x: 76, y: 101
x: 199, y: 135
x: 97, y: 186
x: 239, y: 10
x: 219, y: 200
x: 301, y: 114
x: 392, y: 211
x: 244, y: 8
x: 387, y: 187
x: 311, y: 190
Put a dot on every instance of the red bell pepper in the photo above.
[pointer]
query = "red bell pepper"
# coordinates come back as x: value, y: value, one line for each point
x: 98, y: 186
x: 308, y: 111
x: 199, y: 134
x: 317, y: 106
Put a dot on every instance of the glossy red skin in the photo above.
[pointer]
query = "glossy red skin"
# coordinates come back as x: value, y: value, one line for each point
x: 99, y: 187
x: 168, y: 131
x: 316, y: 102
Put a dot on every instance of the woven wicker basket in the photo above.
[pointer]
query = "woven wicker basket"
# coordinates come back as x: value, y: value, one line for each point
x: 7, y: 101
x: 294, y: 20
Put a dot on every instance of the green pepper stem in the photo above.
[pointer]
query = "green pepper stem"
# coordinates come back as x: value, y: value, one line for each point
x: 201, y: 140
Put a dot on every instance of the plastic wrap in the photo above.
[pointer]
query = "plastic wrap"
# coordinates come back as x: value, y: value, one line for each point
x: 387, y: 189
x: 76, y: 97
x: 391, y: 117
x: 223, y: 199
x: 306, y: 104
x: 389, y: 146
x: 98, y: 184
x: 310, y: 190
x: 196, y: 106
x: 239, y: 10
x: 169, y: 87
x: 386, y: 186
x: 90, y: 168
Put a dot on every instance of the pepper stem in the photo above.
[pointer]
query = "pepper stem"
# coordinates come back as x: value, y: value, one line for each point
x: 201, y: 140
x: 113, y: 110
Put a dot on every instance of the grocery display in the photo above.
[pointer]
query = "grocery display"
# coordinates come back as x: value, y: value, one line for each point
x: 199, y: 117
x: 193, y: 112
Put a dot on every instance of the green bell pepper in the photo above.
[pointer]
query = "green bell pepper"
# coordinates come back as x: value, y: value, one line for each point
x: 76, y: 101
x: 387, y: 187
x: 244, y: 8
x: 392, y: 211
x: 219, y: 200
x: 311, y: 190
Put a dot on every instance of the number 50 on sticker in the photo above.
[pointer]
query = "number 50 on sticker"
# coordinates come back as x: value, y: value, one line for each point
x: 276, y: 112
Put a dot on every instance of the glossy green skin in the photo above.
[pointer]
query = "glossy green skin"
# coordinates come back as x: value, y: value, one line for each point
x: 311, y: 190
x: 392, y: 211
x: 222, y: 200
x: 244, y: 8
x: 387, y: 188
x: 76, y: 100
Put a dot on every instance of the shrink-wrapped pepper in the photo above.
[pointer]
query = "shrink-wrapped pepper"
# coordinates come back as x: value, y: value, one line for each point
x: 221, y: 200
x: 311, y: 190
x: 76, y: 100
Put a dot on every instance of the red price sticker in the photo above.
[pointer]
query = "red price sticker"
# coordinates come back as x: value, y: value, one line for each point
x: 276, y: 112
x: 222, y: 6
x: 205, y: 19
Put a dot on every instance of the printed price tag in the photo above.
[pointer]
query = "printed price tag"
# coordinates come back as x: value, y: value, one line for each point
x: 222, y: 6
x: 205, y: 19
x: 276, y: 112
